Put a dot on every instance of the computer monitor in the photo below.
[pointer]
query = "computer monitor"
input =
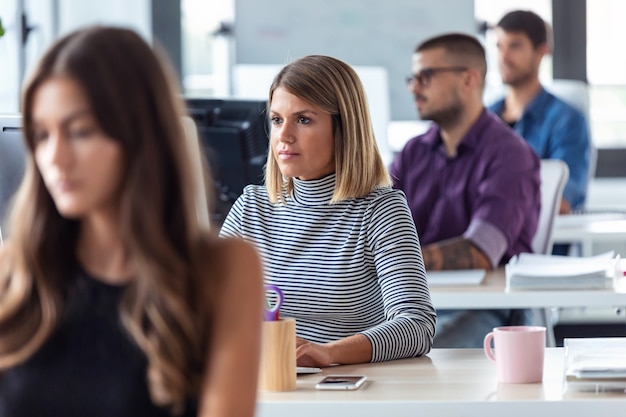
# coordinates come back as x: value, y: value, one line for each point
x: 234, y: 136
x: 12, y: 159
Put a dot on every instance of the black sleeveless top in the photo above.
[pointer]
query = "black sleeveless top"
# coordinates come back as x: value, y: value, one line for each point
x: 88, y: 367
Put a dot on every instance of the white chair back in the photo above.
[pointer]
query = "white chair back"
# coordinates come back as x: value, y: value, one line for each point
x: 195, y: 150
x: 554, y: 175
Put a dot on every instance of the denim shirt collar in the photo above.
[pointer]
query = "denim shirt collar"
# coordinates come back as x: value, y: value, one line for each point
x: 537, y: 105
x: 534, y: 109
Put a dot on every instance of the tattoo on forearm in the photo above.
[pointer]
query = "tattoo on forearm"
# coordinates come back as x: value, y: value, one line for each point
x: 454, y: 254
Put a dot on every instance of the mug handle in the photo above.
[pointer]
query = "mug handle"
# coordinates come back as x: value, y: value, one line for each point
x: 487, y: 347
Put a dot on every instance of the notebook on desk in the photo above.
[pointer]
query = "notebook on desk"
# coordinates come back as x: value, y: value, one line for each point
x: 455, y: 277
x: 595, y: 364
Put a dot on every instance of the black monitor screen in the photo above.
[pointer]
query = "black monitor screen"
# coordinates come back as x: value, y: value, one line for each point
x: 234, y: 136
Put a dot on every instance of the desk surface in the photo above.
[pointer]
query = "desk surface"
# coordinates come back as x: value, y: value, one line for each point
x: 598, y: 227
x: 447, y: 382
x: 493, y: 294
x: 589, y: 228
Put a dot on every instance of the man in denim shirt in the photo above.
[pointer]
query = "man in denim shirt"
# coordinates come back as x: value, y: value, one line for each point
x: 554, y: 129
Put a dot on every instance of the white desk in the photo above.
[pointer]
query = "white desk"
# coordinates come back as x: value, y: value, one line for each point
x: 587, y: 229
x: 492, y: 294
x: 447, y: 382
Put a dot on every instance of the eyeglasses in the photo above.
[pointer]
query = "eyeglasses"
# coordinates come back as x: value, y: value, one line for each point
x: 424, y: 77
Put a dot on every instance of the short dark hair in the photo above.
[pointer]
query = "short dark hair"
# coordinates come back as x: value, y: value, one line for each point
x: 527, y: 22
x: 464, y: 46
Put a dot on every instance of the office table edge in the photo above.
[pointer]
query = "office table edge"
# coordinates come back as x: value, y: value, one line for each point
x: 466, y: 368
x: 493, y: 294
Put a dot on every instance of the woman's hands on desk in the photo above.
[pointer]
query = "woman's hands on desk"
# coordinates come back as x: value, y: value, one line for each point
x: 312, y: 354
x: 353, y: 349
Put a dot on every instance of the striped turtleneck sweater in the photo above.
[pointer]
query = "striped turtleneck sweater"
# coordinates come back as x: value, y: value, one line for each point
x: 350, y: 267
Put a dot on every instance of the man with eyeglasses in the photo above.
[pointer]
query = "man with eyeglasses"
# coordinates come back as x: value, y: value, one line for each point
x: 472, y: 184
x: 554, y: 129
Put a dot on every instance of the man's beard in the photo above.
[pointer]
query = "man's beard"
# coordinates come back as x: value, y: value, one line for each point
x: 519, y: 79
x: 448, y: 116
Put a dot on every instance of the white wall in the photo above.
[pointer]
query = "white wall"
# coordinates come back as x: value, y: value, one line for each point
x: 132, y: 13
x: 72, y: 14
x: 253, y: 81
x: 8, y: 58
x: 360, y: 32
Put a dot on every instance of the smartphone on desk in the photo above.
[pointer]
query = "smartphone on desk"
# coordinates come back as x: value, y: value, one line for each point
x: 341, y: 382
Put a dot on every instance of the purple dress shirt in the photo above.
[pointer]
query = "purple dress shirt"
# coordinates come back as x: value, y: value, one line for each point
x: 489, y: 192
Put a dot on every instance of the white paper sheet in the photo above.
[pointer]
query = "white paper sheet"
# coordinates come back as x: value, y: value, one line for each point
x: 456, y: 277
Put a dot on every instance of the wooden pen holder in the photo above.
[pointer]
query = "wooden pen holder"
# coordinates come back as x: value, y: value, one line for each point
x: 278, y: 355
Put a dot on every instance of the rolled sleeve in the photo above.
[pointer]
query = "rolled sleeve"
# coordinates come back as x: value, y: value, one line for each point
x: 488, y: 238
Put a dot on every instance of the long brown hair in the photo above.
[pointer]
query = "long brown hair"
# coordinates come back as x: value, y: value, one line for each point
x: 333, y: 86
x: 135, y: 101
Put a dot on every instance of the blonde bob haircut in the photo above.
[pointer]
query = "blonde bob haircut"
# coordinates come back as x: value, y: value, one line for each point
x: 333, y: 86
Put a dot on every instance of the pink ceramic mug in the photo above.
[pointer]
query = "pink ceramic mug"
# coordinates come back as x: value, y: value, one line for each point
x: 518, y: 353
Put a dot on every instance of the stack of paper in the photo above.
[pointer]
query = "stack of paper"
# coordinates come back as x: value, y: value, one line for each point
x: 543, y: 272
x: 595, y: 364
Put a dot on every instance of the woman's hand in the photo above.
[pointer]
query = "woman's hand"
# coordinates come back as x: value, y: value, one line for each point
x: 312, y: 354
x: 352, y: 349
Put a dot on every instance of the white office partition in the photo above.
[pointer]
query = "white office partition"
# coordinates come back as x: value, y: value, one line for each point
x: 400, y: 131
x: 251, y: 81
x: 135, y: 14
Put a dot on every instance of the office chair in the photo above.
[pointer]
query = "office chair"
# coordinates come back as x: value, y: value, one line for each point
x: 554, y: 174
x: 576, y: 94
